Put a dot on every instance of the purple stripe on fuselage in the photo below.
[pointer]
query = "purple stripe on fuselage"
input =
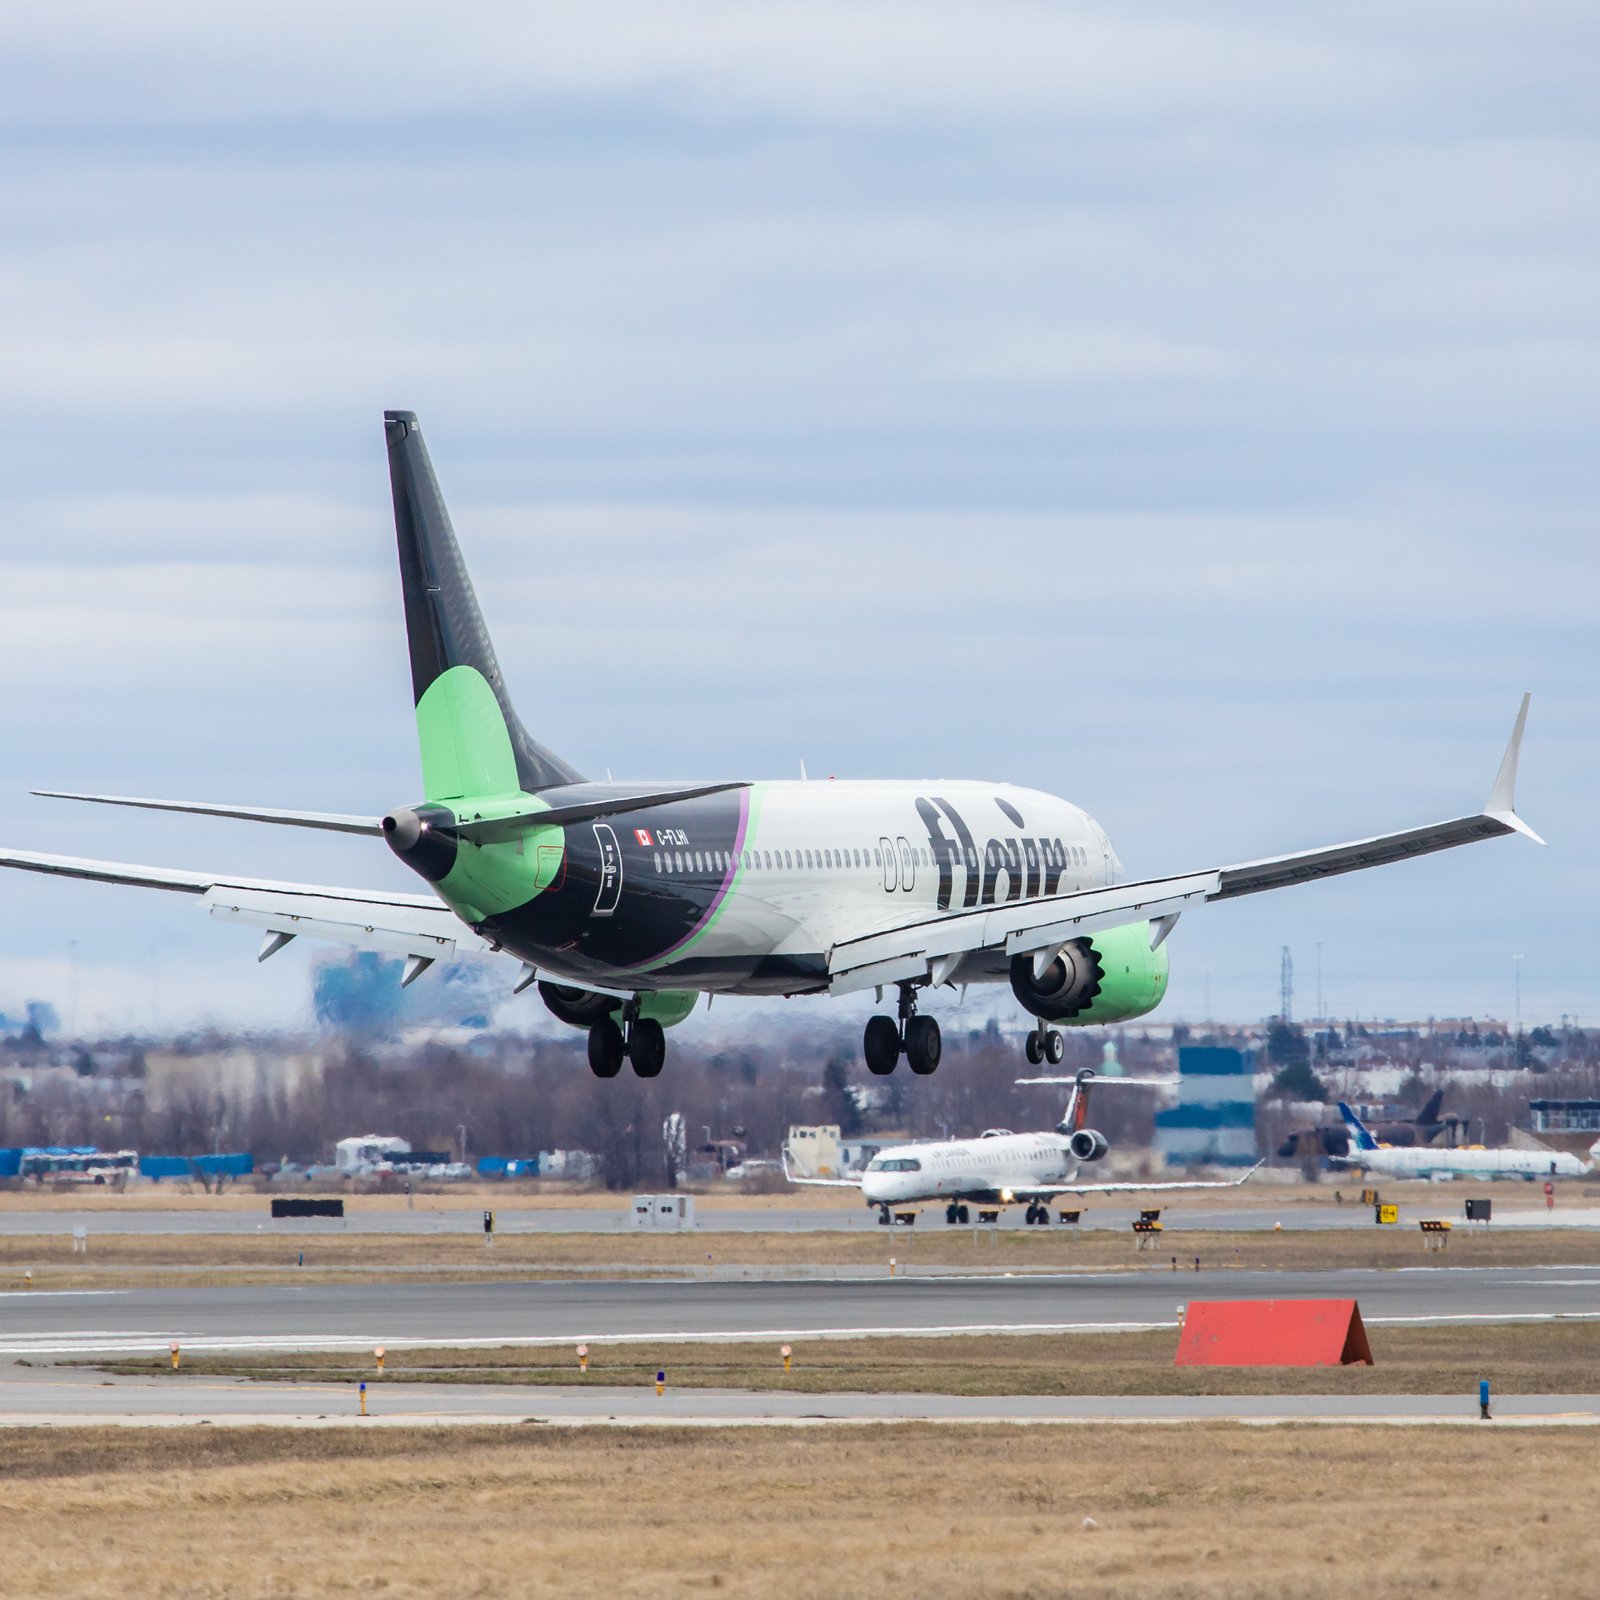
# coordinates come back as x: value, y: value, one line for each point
x: 722, y: 893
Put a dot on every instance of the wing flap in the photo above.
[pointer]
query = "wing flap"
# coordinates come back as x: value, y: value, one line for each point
x: 433, y: 933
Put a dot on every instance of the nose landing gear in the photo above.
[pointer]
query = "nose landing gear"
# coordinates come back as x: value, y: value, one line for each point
x: 640, y: 1040
x: 1044, y: 1044
x: 915, y: 1037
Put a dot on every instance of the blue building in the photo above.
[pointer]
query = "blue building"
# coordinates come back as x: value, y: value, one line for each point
x: 1214, y: 1121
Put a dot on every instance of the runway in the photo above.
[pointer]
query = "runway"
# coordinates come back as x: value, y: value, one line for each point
x: 744, y: 1219
x: 66, y: 1398
x: 345, y: 1316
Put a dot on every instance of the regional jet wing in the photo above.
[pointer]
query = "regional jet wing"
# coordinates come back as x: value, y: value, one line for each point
x: 933, y: 948
x: 1044, y: 1191
x: 415, y: 926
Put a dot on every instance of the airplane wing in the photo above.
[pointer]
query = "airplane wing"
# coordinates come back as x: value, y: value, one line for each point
x: 1045, y: 1191
x: 417, y: 927
x: 933, y: 948
x: 818, y: 1183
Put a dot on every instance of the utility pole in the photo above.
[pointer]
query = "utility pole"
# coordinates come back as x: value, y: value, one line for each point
x: 1322, y: 1016
x: 1516, y: 967
x: 1286, y: 988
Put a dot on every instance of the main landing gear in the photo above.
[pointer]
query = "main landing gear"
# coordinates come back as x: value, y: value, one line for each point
x: 640, y: 1040
x: 917, y: 1038
x: 955, y: 1212
x: 1045, y: 1044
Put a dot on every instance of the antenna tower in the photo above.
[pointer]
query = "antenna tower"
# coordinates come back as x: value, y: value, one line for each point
x: 1286, y: 987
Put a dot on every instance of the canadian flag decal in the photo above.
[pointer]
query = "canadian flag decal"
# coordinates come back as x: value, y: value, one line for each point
x: 643, y: 836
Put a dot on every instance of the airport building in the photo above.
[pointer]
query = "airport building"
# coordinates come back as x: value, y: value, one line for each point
x: 1214, y: 1121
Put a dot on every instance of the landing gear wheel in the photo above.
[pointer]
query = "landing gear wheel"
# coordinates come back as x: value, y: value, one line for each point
x: 605, y: 1048
x: 962, y: 1214
x: 881, y: 1046
x: 647, y: 1048
x: 923, y: 1045
x: 1055, y: 1048
x: 950, y: 1215
x: 1032, y: 1049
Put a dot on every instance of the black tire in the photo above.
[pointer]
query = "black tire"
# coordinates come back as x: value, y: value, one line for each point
x: 924, y: 1046
x: 605, y: 1048
x: 647, y: 1049
x: 1032, y: 1050
x: 963, y: 1215
x: 881, y: 1046
x: 950, y: 1215
x: 1055, y: 1048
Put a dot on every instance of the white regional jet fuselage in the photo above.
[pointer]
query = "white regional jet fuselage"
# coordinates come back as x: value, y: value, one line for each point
x: 997, y: 1166
x: 1428, y: 1162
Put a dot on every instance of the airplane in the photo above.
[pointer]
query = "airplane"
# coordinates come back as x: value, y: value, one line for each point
x: 1002, y: 1168
x: 625, y: 902
x: 1333, y: 1138
x: 1428, y: 1162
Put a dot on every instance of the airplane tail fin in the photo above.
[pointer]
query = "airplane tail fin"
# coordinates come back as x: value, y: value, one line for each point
x: 1360, y: 1139
x: 473, y: 742
x: 1430, y: 1112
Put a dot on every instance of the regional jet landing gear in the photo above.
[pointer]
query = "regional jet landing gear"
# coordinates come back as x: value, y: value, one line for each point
x: 954, y: 1213
x: 640, y: 1039
x: 1045, y: 1044
x: 916, y: 1037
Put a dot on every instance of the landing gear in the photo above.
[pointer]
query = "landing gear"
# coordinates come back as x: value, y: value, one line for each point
x: 954, y: 1213
x: 881, y: 1046
x: 1037, y: 1214
x: 647, y: 1048
x: 606, y: 1048
x: 1045, y: 1044
x: 923, y: 1045
x: 917, y: 1038
x: 637, y: 1039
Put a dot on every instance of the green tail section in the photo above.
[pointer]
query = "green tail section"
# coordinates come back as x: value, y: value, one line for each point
x: 473, y: 743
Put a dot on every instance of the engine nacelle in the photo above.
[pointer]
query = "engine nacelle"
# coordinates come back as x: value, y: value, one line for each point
x: 1087, y: 1144
x: 578, y: 1008
x: 1066, y: 987
x: 1108, y: 977
x: 582, y: 1008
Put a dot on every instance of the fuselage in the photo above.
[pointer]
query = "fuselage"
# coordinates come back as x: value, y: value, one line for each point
x: 1427, y: 1162
x: 747, y: 891
x: 994, y: 1167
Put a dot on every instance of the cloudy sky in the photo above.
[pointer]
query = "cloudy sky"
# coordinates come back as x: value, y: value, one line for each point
x: 1191, y: 411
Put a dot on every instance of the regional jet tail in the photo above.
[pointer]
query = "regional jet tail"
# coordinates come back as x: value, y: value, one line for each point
x: 1429, y: 1161
x: 625, y: 902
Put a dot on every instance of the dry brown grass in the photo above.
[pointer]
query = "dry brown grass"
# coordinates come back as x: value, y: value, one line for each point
x: 122, y: 1260
x: 1523, y: 1358
x: 1193, y: 1513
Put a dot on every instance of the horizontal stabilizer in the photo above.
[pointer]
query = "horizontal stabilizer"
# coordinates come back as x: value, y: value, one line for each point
x: 497, y: 830
x: 332, y: 821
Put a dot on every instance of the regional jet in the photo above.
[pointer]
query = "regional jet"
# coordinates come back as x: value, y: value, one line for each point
x: 1002, y: 1168
x: 625, y: 902
x: 1451, y: 1161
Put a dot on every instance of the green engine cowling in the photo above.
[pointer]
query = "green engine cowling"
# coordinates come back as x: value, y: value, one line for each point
x: 580, y: 1008
x: 1108, y: 977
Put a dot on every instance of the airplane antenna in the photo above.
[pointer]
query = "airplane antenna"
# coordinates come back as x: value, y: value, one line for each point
x: 803, y: 777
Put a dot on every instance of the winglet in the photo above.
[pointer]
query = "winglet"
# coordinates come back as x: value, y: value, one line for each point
x: 1502, y: 804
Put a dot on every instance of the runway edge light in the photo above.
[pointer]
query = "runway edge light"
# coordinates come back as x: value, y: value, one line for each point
x: 583, y: 1358
x: 661, y: 1383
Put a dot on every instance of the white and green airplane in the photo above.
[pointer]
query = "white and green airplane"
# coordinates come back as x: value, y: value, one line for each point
x: 628, y: 901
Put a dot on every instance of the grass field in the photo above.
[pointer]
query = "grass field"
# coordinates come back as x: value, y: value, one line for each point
x: 122, y: 1260
x: 1199, y: 1512
x: 1521, y: 1358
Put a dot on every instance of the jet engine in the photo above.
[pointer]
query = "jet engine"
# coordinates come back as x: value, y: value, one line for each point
x: 582, y: 1008
x: 1108, y: 977
x: 1087, y: 1145
x: 1067, y: 985
x: 578, y: 1008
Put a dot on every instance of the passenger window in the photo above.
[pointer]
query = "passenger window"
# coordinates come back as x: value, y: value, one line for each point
x: 658, y: 861
x: 788, y: 861
x: 769, y: 860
